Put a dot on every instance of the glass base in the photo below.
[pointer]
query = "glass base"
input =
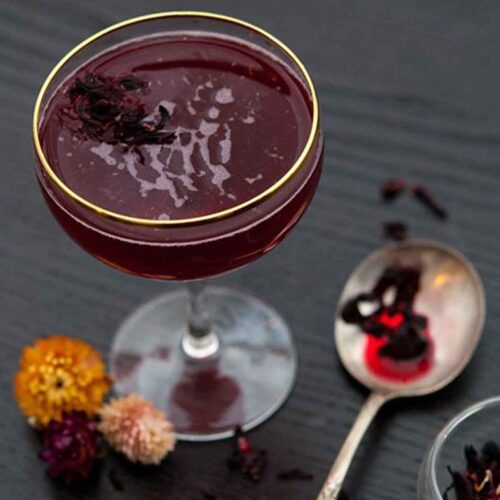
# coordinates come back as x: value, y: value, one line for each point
x: 244, y: 383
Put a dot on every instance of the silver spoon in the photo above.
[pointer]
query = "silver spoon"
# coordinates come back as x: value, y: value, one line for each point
x: 452, y: 298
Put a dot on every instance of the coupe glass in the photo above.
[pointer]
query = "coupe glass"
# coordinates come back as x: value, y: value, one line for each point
x: 211, y: 357
x: 474, y: 426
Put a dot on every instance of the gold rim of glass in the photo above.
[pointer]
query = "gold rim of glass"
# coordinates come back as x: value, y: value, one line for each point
x: 192, y: 220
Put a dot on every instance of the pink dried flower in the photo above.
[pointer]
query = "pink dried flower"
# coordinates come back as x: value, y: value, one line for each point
x: 133, y: 426
x: 70, y: 446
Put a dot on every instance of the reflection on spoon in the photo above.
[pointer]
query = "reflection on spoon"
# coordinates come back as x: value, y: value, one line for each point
x: 450, y: 296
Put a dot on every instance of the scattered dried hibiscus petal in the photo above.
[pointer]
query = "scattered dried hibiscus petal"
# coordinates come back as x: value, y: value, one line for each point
x: 396, y: 231
x: 423, y: 195
x: 295, y: 475
x: 392, y: 188
x: 249, y: 462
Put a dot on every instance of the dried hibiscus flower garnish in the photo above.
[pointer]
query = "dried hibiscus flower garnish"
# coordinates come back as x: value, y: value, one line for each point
x: 110, y: 110
x: 392, y: 188
x: 244, y: 459
x: 481, y: 479
x: 59, y: 374
x: 422, y: 194
x: 391, y: 318
x: 396, y: 231
x: 70, y: 446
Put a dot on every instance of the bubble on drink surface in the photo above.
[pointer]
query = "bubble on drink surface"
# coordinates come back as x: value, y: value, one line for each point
x: 208, y: 128
x: 104, y: 151
x: 248, y: 120
x: 276, y: 156
x: 162, y: 182
x: 199, y: 88
x: 164, y: 216
x: 190, y: 108
x: 168, y: 105
x: 225, y: 145
x: 220, y: 174
x: 224, y: 96
x: 213, y: 113
x: 165, y: 179
x: 251, y: 180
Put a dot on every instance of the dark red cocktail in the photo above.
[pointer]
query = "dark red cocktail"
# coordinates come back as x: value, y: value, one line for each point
x: 239, y: 120
x: 180, y: 146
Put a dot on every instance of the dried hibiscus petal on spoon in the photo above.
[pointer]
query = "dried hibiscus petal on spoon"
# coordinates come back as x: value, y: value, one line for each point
x: 391, y: 315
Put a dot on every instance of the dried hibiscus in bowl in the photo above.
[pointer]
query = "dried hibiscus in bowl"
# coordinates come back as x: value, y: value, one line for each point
x: 481, y: 478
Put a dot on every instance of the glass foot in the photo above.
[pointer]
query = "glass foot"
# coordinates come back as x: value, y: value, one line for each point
x: 244, y: 383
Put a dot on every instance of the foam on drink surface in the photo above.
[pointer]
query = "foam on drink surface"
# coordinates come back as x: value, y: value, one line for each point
x: 238, y: 128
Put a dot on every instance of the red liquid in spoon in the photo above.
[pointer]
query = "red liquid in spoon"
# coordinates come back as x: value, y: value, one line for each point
x: 396, y: 370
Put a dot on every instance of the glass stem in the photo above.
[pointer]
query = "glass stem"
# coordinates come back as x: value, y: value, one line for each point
x: 200, y: 341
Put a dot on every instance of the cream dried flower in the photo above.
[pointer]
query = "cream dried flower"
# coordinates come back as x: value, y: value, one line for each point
x: 133, y: 426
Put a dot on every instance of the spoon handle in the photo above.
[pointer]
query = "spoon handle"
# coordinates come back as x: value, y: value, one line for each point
x: 333, y: 484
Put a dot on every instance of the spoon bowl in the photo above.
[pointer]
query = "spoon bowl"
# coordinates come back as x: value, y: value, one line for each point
x: 451, y: 297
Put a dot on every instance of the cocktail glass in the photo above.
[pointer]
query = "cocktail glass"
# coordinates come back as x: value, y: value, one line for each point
x: 212, y: 357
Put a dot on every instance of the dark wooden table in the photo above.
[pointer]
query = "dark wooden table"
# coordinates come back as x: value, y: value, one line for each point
x: 407, y: 88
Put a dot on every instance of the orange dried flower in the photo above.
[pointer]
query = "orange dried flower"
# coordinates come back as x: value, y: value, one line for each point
x: 59, y: 374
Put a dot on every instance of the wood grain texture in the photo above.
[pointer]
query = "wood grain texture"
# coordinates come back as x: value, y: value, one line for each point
x: 407, y: 88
